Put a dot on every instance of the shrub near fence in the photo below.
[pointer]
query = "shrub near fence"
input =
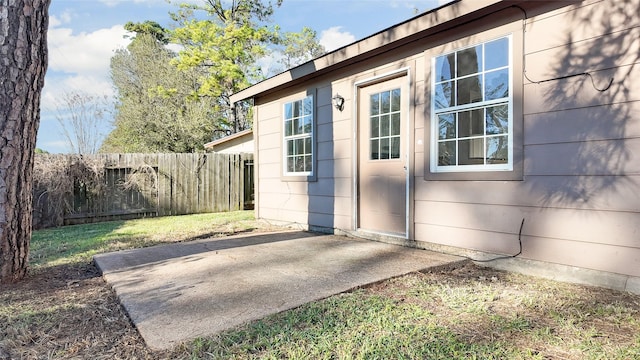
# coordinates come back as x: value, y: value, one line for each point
x: 70, y: 189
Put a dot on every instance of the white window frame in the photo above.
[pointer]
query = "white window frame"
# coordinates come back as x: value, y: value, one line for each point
x: 434, y: 141
x: 286, y: 138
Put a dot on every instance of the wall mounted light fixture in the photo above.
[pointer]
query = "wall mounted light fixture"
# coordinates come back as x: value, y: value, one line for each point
x: 338, y: 102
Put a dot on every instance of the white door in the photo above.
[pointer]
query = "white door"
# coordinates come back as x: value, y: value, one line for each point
x: 382, y: 167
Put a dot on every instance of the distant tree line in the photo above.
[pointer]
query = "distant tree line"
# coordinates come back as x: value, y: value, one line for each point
x: 178, y: 100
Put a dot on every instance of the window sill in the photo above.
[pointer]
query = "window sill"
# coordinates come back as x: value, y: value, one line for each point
x: 513, y: 175
x: 299, y: 178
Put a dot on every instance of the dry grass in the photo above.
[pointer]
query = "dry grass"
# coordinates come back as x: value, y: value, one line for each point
x: 65, y: 310
x: 54, y: 178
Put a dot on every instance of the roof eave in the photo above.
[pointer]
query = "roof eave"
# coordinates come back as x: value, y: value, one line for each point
x: 370, y: 46
x: 227, y: 138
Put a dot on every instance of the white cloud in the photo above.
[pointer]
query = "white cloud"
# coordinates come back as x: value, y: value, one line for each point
x: 84, y: 53
x: 402, y: 4
x: 95, y: 85
x: 63, y: 18
x: 270, y: 65
x: 334, y: 38
x: 79, y: 61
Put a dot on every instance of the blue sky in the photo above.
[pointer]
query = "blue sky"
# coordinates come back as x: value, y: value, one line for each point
x: 83, y: 35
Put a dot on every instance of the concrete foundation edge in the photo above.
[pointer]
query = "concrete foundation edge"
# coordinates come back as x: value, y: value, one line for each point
x: 547, y: 270
x: 558, y: 272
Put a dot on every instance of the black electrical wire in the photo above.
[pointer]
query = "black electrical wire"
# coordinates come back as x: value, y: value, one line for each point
x: 570, y: 76
x: 524, y: 61
x: 506, y: 256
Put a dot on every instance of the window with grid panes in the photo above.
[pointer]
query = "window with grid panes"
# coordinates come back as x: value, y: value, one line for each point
x: 384, y: 117
x: 472, y: 121
x: 298, y: 137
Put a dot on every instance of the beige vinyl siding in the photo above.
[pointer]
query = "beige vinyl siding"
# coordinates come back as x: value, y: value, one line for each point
x: 592, y: 157
x: 540, y: 222
x: 540, y: 192
x: 326, y: 202
x: 596, y: 256
x: 323, y: 202
x: 580, y: 188
x: 583, y: 124
x: 580, y: 196
x: 591, y: 190
x: 272, y: 205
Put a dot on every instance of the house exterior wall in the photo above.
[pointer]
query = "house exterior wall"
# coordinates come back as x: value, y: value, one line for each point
x: 579, y: 194
x: 235, y: 146
x: 579, y: 176
x: 241, y: 142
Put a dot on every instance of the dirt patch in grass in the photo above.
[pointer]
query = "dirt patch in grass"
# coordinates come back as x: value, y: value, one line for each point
x: 67, y: 311
x: 539, y: 318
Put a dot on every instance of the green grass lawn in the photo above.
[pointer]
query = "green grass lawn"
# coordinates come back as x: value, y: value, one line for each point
x: 465, y: 313
x: 78, y: 243
x: 66, y: 310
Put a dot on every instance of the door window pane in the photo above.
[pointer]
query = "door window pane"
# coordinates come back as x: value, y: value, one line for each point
x: 395, y: 100
x: 395, y: 147
x: 384, y: 148
x: 385, y: 125
x: 375, y: 149
x: 375, y: 126
x: 395, y: 124
x: 375, y: 104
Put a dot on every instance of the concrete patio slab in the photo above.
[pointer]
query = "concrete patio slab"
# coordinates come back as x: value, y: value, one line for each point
x: 178, y: 292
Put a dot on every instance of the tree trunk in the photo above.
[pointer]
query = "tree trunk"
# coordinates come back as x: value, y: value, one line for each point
x: 23, y: 63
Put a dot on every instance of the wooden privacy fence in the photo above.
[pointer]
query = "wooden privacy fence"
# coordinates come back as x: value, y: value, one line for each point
x: 143, y: 185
